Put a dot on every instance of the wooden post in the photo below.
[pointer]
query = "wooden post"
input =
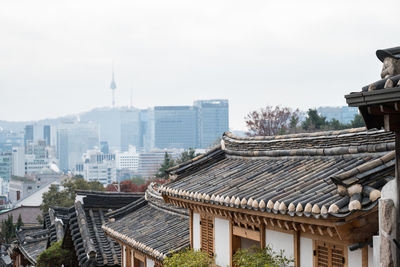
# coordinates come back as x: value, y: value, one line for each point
x: 296, y: 240
x: 397, y: 149
x: 262, y: 236
x: 364, y: 256
x: 191, y: 228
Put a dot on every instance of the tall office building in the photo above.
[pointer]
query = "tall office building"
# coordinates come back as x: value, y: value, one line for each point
x: 213, y: 120
x: 73, y: 139
x: 47, y: 134
x: 175, y: 127
x: 18, y: 161
x: 5, y: 166
x: 28, y: 135
x: 130, y: 128
x: 104, y: 148
x: 146, y: 134
x: 97, y: 166
x: 9, y: 139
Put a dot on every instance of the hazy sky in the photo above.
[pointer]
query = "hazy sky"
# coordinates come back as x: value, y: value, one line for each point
x: 56, y: 56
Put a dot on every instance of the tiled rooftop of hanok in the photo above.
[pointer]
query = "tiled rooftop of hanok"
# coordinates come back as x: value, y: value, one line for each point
x: 312, y: 174
x: 32, y: 241
x: 84, y: 232
x: 150, y: 226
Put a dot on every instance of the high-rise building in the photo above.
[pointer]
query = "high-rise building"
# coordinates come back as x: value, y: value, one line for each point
x: 146, y: 135
x: 213, y: 120
x: 149, y: 162
x: 97, y: 166
x: 175, y: 127
x: 9, y: 139
x: 28, y: 135
x: 18, y: 161
x: 47, y: 134
x: 104, y: 148
x: 74, y: 139
x: 5, y: 171
x: 130, y: 128
x: 128, y: 160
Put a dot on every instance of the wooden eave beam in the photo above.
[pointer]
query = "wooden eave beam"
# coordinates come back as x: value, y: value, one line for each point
x: 241, y: 212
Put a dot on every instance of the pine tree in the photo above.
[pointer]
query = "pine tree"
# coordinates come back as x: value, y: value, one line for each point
x: 167, y: 163
x: 19, y: 222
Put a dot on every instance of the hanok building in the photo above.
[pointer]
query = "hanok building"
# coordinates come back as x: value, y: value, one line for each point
x: 32, y: 241
x: 148, y: 230
x: 312, y: 195
x: 84, y: 234
x: 379, y: 104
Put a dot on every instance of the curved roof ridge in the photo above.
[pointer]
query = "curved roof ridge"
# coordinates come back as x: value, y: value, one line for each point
x: 331, y: 133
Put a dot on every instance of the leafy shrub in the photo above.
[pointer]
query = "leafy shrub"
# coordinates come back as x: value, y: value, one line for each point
x: 54, y: 256
x: 257, y: 257
x: 188, y: 258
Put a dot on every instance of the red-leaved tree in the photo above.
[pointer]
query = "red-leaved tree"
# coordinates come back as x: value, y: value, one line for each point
x: 271, y: 121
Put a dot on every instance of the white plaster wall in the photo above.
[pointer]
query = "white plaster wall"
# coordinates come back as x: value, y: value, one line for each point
x: 196, y: 231
x: 306, y: 252
x: 370, y: 256
x: 221, y: 238
x: 355, y: 258
x: 280, y: 241
x: 376, y: 244
x: 149, y: 262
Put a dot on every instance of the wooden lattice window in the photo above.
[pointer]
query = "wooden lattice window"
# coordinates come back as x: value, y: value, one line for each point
x: 207, y: 234
x: 329, y: 255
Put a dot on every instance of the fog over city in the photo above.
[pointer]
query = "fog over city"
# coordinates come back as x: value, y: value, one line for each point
x: 56, y: 57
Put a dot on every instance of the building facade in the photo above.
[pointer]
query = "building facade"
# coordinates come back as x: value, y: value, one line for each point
x: 175, y: 127
x: 213, y: 121
x: 97, y: 167
x: 128, y: 160
x: 74, y: 139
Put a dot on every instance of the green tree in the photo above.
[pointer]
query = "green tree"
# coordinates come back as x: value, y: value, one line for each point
x: 55, y: 255
x: 358, y: 121
x: 167, y: 163
x: 314, y: 121
x: 7, y: 230
x: 19, y: 222
x: 66, y: 197
x: 188, y: 258
x: 187, y: 155
x: 257, y: 257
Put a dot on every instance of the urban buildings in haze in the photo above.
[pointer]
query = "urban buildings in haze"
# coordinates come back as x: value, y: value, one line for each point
x: 175, y: 127
x: 343, y: 114
x: 213, y: 120
x: 74, y: 139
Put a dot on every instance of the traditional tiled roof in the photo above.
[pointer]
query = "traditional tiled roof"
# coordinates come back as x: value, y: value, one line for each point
x: 32, y: 241
x: 84, y: 230
x: 150, y: 226
x: 318, y: 174
x: 56, y: 220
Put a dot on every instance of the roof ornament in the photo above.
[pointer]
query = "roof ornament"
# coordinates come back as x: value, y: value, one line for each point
x: 390, y: 58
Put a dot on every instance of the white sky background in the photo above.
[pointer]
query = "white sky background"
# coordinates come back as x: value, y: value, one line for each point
x: 55, y: 56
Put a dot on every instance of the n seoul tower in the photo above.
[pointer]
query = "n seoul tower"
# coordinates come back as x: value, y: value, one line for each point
x: 113, y: 86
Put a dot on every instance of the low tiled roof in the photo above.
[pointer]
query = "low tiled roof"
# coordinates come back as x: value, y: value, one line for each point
x: 32, y: 241
x: 320, y: 174
x: 151, y: 226
x: 84, y: 227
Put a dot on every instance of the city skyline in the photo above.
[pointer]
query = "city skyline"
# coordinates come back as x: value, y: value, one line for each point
x: 183, y: 51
